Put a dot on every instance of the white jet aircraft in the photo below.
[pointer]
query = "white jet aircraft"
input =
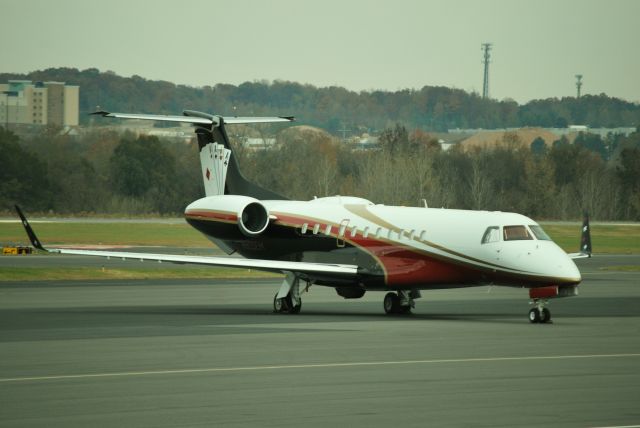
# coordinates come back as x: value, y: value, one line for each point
x: 354, y: 245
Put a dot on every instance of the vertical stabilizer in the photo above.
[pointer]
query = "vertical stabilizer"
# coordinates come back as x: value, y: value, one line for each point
x: 220, y: 172
x: 215, y: 140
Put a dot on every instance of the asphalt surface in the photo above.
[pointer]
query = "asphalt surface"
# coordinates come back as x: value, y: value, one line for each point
x: 211, y: 353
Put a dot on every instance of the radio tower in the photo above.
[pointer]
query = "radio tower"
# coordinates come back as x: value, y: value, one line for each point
x: 486, y: 47
x: 578, y: 83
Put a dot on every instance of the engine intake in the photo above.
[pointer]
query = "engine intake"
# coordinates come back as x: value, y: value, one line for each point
x: 253, y: 219
x: 251, y: 216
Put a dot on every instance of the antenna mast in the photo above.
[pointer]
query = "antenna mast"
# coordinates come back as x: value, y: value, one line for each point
x: 486, y: 47
x: 578, y: 83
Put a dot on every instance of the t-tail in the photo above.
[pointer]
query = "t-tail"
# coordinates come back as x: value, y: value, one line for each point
x: 220, y: 171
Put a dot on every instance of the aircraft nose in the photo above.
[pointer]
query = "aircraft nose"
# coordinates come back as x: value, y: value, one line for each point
x: 564, y: 268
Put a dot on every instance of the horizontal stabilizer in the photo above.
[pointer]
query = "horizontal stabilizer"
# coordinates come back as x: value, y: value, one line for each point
x: 195, y: 118
x: 158, y: 117
x: 236, y: 119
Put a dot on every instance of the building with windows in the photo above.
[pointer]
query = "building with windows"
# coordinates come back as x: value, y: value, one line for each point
x: 40, y: 103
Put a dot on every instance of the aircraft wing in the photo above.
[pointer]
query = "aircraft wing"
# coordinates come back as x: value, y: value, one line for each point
x: 196, y: 118
x: 258, y: 264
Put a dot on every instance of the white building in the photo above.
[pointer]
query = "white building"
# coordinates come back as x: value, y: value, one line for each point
x: 40, y: 103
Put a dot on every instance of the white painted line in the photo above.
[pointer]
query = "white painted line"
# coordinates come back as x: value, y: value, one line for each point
x: 311, y: 366
x: 621, y: 426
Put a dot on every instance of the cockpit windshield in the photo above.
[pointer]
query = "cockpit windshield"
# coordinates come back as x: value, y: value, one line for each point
x: 515, y: 233
x: 539, y: 233
x: 492, y: 234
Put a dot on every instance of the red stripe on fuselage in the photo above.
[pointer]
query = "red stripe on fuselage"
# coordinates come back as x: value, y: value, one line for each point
x: 403, y: 266
x: 212, y: 215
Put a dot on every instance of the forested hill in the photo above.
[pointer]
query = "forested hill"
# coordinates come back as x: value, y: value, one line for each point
x: 431, y: 108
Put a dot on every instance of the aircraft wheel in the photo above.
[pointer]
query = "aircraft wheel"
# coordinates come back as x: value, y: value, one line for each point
x: 279, y: 305
x: 391, y: 303
x: 534, y: 315
x: 545, y: 315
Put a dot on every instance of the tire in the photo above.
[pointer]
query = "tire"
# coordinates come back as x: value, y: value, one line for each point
x: 391, y: 303
x: 545, y: 315
x: 278, y: 304
x: 534, y: 316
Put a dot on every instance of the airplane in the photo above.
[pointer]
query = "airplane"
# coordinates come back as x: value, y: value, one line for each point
x: 352, y: 244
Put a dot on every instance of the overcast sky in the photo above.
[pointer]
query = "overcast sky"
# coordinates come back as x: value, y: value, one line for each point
x: 539, y: 45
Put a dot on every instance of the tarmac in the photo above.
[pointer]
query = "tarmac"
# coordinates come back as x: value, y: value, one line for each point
x: 169, y: 353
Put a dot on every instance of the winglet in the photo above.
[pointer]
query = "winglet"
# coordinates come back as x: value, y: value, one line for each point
x: 102, y: 113
x: 27, y: 227
x: 585, y: 237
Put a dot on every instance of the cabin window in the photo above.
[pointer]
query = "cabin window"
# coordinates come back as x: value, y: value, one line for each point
x: 378, y: 232
x: 327, y: 230
x: 411, y: 234
x: 305, y: 226
x: 422, y: 235
x: 516, y: 233
x: 365, y: 232
x: 343, y: 228
x: 316, y: 229
x: 389, y: 234
x: 492, y: 234
x: 539, y: 233
x: 354, y: 231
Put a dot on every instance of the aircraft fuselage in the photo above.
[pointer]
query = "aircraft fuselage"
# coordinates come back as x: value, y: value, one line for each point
x: 395, y: 247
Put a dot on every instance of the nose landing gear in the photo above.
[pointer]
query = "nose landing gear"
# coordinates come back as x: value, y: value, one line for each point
x: 539, y: 313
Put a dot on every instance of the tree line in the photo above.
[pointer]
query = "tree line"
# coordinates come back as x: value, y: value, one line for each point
x: 431, y: 108
x: 105, y: 172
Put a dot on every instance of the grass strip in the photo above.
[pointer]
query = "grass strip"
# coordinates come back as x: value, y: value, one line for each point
x: 86, y: 273
x: 622, y: 268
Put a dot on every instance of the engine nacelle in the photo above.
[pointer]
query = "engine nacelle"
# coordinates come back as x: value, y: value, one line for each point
x: 249, y: 213
x: 253, y: 219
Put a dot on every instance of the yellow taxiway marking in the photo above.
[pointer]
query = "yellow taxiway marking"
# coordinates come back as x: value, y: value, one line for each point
x: 310, y: 366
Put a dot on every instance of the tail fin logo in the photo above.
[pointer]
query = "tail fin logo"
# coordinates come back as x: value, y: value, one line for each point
x: 214, y: 159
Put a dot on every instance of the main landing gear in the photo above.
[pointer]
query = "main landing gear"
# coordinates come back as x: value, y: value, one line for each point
x: 539, y: 313
x: 288, y: 299
x: 401, y: 302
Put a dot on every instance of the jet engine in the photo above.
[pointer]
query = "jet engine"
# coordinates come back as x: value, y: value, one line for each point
x: 249, y: 213
x: 253, y: 219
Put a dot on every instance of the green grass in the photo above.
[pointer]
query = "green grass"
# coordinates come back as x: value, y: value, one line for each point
x: 613, y: 239
x: 606, y: 238
x: 616, y: 239
x: 143, y: 234
x: 85, y: 273
x: 622, y: 268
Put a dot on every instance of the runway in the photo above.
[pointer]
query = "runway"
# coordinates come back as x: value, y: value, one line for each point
x: 204, y: 353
